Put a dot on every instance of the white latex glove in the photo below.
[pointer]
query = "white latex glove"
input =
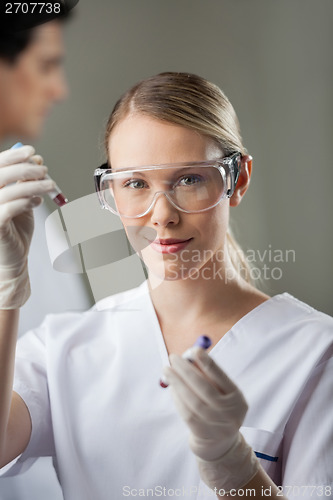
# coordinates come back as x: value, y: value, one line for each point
x: 214, y: 409
x: 17, y: 199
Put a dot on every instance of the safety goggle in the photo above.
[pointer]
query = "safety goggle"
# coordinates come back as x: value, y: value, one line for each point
x: 189, y: 187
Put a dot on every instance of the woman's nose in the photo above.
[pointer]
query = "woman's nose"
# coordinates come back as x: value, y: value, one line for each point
x: 163, y: 212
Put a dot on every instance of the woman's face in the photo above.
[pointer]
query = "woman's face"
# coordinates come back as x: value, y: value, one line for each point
x: 140, y: 140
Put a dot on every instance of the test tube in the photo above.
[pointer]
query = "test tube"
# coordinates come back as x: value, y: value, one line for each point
x: 203, y: 342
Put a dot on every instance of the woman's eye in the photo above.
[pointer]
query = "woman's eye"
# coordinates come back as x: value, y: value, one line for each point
x: 189, y: 180
x: 135, y: 184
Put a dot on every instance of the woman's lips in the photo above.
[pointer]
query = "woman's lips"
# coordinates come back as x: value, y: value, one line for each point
x: 169, y: 245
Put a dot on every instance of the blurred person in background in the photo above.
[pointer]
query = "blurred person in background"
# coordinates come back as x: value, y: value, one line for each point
x: 32, y: 80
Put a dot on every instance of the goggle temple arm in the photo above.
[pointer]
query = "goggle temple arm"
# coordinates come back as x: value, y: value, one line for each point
x: 234, y: 164
x: 97, y: 180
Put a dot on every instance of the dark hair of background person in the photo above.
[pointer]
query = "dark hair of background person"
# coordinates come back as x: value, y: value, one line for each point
x: 17, y: 30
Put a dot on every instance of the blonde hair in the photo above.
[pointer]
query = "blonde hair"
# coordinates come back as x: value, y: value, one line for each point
x: 193, y: 102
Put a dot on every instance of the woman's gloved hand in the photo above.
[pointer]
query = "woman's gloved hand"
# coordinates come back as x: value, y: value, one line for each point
x: 21, y: 187
x: 214, y: 409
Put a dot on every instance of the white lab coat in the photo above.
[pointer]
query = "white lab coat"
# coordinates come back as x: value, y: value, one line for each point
x: 90, y: 381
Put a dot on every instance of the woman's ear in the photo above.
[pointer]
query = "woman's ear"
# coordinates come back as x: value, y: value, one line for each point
x: 243, y: 180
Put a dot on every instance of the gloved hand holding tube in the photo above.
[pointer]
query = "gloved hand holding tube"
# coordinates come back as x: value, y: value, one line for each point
x: 56, y: 194
x: 22, y: 184
x: 214, y: 409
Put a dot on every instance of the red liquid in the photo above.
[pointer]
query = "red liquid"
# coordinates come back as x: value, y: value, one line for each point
x: 60, y: 200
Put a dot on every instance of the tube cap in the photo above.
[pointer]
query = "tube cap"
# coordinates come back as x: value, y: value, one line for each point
x: 203, y: 341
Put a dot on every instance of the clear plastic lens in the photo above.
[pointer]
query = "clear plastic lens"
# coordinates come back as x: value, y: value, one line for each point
x: 190, y: 189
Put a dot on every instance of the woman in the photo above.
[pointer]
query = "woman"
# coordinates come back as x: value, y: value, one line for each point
x: 86, y: 388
